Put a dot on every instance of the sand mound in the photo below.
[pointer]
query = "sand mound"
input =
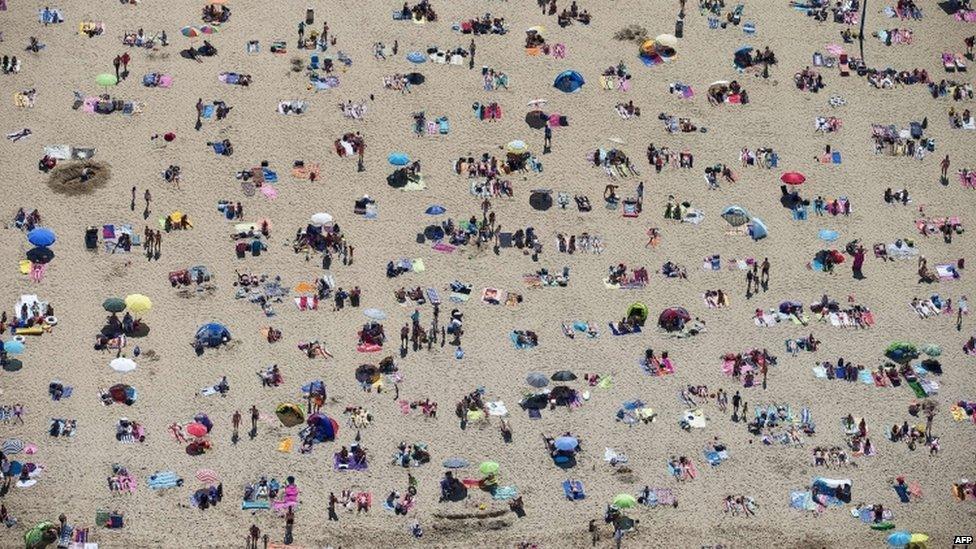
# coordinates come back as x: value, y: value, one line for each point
x: 67, y: 178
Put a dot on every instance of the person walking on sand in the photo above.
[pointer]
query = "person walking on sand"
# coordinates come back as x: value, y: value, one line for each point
x: 332, y: 507
x: 736, y: 400
x: 125, y: 65
x: 471, y: 50
x: 254, y: 420
x: 117, y: 62
x: 749, y: 279
x: 148, y: 197
x: 132, y: 204
x: 945, y: 167
x: 764, y: 273
x: 301, y: 34
x: 199, y: 123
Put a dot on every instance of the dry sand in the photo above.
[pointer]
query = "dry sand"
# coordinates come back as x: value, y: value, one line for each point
x: 779, y: 116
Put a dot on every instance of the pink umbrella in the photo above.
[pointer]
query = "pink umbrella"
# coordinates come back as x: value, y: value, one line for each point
x: 793, y: 178
x: 197, y: 429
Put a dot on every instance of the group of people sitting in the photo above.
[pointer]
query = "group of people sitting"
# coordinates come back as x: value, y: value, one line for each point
x: 963, y: 120
x: 831, y: 457
x: 627, y: 110
x: 485, y: 24
x: 216, y: 13
x: 567, y: 16
x: 421, y: 11
x: 950, y: 88
x: 664, y: 156
x: 352, y: 458
x: 809, y: 80
x: 732, y: 92
x: 411, y: 455
x: 27, y: 221
x: 140, y: 40
x: 10, y: 64
x: 764, y: 157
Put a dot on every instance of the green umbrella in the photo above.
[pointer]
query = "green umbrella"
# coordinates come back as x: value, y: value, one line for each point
x: 488, y: 467
x: 624, y: 501
x: 114, y: 305
x: 105, y: 80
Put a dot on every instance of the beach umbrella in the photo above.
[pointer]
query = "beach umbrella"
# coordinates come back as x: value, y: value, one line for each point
x: 12, y: 446
x: 616, y: 140
x: 41, y: 236
x: 536, y: 119
x: 435, y: 209
x: 207, y: 476
x: 624, y: 501
x: 374, y: 314
x: 323, y: 427
x: 209, y: 29
x: 666, y: 40
x: 488, y: 467
x: 563, y: 375
x: 416, y: 57
x: 416, y: 78
x: 114, y: 305
x: 540, y: 200
x: 106, y: 80
x: 673, y: 318
x: 322, y: 219
x: 793, y: 178
x: 537, y: 102
x: 516, y: 147
x: 538, y: 29
x: 212, y: 334
x: 828, y: 235
x: 433, y: 232
x: 398, y: 159
x: 735, y: 215
x: 40, y: 255
x: 138, y: 303
x: 455, y: 463
x: 537, y: 380
x: 718, y: 83
x: 12, y: 347
x: 289, y: 414
x: 367, y: 373
x: 190, y: 32
x: 757, y: 229
x: 743, y: 50
x: 197, y: 429
x: 899, y: 538
x: 932, y: 350
x: 568, y: 81
x: 919, y: 538
x: 122, y: 364
x: 566, y: 444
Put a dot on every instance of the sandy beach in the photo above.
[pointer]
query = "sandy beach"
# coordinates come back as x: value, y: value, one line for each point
x: 170, y: 374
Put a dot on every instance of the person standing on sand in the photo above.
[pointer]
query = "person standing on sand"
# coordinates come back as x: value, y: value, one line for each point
x: 148, y: 197
x: 117, y: 62
x: 736, y: 400
x: 301, y: 34
x: 764, y: 274
x: 132, y: 205
x: 332, y: 507
x: 749, y: 278
x: 471, y: 50
x: 254, y: 420
x: 254, y: 535
x: 125, y: 64
x: 236, y: 421
x: 945, y: 167
x: 199, y: 123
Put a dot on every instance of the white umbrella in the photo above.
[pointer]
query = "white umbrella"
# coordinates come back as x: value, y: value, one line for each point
x: 666, y: 40
x: 123, y: 364
x: 616, y: 140
x: 322, y: 219
x: 719, y: 83
x: 537, y: 102
x: 374, y: 314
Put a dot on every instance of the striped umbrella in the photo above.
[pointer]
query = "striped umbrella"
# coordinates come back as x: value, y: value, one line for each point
x: 207, y: 476
x: 190, y: 32
x: 12, y: 446
x: 209, y: 29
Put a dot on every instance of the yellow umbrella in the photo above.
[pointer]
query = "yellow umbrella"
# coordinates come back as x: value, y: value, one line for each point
x: 647, y: 46
x: 176, y: 216
x: 138, y: 303
x: 475, y: 415
x: 919, y: 538
x: 666, y: 40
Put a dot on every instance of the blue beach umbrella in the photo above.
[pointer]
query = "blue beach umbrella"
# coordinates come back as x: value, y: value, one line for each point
x: 568, y: 81
x: 12, y: 347
x: 416, y: 57
x: 41, y: 236
x: 398, y: 159
x: 566, y: 444
x: 435, y: 209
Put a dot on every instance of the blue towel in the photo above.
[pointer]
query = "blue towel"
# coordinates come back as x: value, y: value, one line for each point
x: 208, y: 111
x: 835, y: 157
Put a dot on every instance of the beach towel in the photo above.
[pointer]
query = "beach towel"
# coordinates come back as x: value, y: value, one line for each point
x: 613, y: 329
x: 573, y: 490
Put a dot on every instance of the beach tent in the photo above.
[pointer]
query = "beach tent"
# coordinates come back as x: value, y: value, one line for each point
x: 666, y: 40
x: 367, y: 373
x: 735, y: 215
x: 415, y: 78
x: 41, y: 236
x: 213, y: 334
x: 568, y: 81
x: 41, y: 535
x: 901, y: 351
x: 323, y: 427
x: 289, y: 414
x: 673, y: 319
x: 757, y: 229
x: 639, y: 311
x: 742, y: 57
